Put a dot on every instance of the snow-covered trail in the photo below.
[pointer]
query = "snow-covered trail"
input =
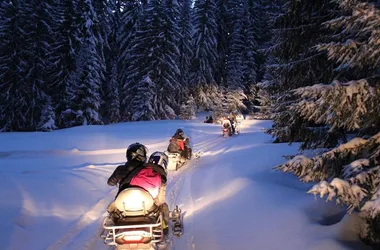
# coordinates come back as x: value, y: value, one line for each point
x: 232, y: 199
x: 54, y: 194
x: 53, y: 191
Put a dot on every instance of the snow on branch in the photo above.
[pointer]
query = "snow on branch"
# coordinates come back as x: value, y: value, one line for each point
x: 342, y: 191
x: 349, y: 173
x: 362, y: 30
x: 372, y: 207
x: 342, y: 105
x: 331, y: 163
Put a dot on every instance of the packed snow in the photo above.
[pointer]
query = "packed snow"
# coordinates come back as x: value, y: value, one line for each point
x: 54, y: 193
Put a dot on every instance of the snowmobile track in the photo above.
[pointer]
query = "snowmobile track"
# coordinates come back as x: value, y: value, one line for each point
x: 181, y: 177
x: 91, y: 216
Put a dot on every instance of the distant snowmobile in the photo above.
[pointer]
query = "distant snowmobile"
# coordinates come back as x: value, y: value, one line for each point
x: 226, y: 128
x: 239, y: 119
x: 179, y: 150
x: 140, y: 223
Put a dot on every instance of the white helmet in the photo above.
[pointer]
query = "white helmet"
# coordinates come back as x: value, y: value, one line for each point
x: 159, y: 158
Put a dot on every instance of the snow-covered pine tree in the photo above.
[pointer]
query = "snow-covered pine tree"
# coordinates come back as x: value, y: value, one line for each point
x: 47, y: 120
x: 224, y: 19
x: 349, y: 173
x: 260, y: 16
x: 143, y: 104
x: 188, y: 109
x: 25, y: 41
x: 204, y: 59
x: 298, y: 64
x: 10, y: 92
x: 101, y: 31
x: 41, y: 39
x: 251, y: 28
x: 131, y: 12
x: 153, y: 52
x: 86, y: 99
x: 185, y: 41
x: 235, y: 47
x: 65, y: 53
x: 112, y: 51
x: 233, y: 99
x: 241, y: 60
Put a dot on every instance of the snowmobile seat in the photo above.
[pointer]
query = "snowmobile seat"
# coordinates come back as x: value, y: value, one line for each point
x: 135, y: 201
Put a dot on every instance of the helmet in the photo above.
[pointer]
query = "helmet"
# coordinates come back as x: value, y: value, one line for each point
x: 159, y: 158
x: 136, y: 151
x: 179, y: 132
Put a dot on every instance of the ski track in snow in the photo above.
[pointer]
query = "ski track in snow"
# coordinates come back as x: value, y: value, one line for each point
x: 180, y: 183
x: 85, y: 231
x: 91, y: 216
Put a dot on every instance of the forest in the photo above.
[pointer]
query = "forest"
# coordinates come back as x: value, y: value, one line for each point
x: 310, y: 66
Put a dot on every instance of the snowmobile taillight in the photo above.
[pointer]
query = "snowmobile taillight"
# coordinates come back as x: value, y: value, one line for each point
x: 134, y: 237
x: 130, y: 239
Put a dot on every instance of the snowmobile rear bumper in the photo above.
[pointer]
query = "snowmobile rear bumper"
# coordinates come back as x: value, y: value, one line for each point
x: 132, y: 235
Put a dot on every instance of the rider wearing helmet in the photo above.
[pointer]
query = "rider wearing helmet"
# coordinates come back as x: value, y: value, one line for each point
x: 179, y: 143
x: 158, y: 161
x: 231, y: 119
x: 152, y: 177
x: 136, y: 156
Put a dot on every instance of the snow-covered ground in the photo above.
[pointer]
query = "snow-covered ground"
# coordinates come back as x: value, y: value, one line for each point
x: 53, y: 190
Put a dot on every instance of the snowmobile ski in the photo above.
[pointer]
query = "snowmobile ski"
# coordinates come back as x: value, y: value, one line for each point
x: 177, y: 221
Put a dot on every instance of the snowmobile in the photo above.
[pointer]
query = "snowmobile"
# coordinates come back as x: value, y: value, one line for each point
x: 226, y: 130
x: 140, y: 225
x: 176, y: 156
x: 176, y: 161
x: 238, y: 127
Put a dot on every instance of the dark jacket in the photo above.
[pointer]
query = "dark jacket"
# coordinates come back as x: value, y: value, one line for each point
x: 123, y: 174
x: 173, y: 143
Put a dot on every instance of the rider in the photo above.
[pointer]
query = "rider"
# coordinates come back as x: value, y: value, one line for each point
x: 230, y: 118
x: 239, y: 119
x: 209, y: 119
x: 179, y: 143
x: 226, y: 123
x: 136, y: 157
x: 151, y: 176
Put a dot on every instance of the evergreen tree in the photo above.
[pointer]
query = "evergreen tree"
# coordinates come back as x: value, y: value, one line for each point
x: 251, y: 29
x: 143, y: 104
x: 86, y: 98
x: 131, y: 11
x: 111, y: 89
x: 297, y: 63
x: 41, y: 39
x: 205, y: 56
x: 154, y: 53
x: 188, y: 109
x: 65, y: 54
x: 101, y: 32
x: 25, y: 28
x: 223, y: 19
x: 235, y: 48
x: 349, y: 173
x: 185, y: 42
